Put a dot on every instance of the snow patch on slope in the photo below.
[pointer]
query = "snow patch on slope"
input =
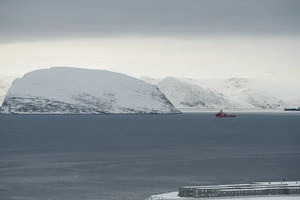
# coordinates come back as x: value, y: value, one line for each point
x: 63, y: 90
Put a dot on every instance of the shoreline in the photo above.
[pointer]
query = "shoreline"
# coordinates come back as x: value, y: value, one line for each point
x: 235, y: 110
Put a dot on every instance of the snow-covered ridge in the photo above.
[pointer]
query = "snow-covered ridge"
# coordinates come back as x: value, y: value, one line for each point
x: 63, y: 90
x: 229, y: 93
x: 184, y: 95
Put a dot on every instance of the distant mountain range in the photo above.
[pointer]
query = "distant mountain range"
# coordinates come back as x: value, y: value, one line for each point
x: 227, y: 93
x: 71, y: 90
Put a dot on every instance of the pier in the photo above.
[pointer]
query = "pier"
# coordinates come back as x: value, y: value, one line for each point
x: 235, y: 190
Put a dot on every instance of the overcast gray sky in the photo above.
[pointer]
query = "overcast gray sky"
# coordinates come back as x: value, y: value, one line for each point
x: 192, y: 38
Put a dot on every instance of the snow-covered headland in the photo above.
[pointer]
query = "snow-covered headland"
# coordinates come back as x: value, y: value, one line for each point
x: 228, y: 93
x: 63, y: 90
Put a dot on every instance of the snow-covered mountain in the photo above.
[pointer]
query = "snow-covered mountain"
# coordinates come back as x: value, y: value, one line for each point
x: 63, y: 90
x: 259, y: 93
x: 234, y: 92
x: 256, y: 93
x: 184, y: 95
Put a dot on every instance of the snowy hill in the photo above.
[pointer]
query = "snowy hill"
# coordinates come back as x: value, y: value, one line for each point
x: 235, y: 92
x: 62, y: 90
x: 256, y: 93
x: 184, y: 95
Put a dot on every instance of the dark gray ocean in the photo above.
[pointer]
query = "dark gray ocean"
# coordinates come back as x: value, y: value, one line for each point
x: 130, y: 157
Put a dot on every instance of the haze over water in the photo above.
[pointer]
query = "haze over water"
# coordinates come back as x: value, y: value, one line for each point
x: 130, y: 157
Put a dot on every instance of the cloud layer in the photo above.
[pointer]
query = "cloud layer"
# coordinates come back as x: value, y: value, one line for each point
x: 60, y: 19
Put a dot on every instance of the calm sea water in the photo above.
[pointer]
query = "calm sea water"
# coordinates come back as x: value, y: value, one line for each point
x: 129, y: 157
